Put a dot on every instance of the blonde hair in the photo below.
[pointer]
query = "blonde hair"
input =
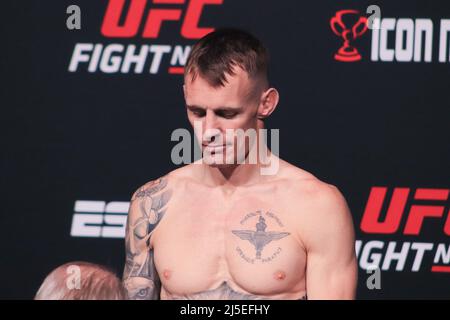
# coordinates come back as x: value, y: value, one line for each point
x: 81, y: 281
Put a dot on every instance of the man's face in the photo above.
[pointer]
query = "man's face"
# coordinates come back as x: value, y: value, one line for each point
x: 216, y: 110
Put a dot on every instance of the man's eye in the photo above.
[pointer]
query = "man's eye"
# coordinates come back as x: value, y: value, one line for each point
x: 198, y: 113
x: 228, y: 115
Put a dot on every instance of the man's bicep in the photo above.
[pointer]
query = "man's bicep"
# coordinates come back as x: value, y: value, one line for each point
x: 331, y: 263
x: 331, y: 278
x: 147, y: 207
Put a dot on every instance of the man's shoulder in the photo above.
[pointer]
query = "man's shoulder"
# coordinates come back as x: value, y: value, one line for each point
x: 317, y: 208
x: 169, y: 180
x: 300, y: 179
x: 305, y: 187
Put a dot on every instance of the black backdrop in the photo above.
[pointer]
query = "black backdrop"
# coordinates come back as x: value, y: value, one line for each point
x: 96, y: 136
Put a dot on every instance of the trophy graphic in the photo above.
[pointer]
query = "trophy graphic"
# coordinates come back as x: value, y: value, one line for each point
x: 347, y: 52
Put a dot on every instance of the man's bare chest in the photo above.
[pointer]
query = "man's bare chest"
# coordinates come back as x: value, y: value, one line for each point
x: 248, y: 241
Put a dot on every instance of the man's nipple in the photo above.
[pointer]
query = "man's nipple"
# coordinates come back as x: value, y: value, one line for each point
x: 279, y: 275
x: 167, y: 274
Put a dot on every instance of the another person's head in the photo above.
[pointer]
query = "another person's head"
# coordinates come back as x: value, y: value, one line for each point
x: 81, y: 281
x: 226, y: 87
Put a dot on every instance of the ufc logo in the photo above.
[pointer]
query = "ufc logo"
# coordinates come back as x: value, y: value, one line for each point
x: 155, y: 18
x: 417, y: 213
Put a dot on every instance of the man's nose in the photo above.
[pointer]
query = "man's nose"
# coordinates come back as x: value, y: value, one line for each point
x: 211, y: 127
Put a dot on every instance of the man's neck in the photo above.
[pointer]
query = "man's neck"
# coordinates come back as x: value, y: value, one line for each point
x: 232, y: 176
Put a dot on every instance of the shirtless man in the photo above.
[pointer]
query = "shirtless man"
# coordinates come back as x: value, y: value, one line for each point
x: 211, y: 230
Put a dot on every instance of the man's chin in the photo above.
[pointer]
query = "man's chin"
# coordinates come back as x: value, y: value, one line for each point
x: 217, y: 163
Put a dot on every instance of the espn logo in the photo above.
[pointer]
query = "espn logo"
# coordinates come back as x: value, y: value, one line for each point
x: 98, y: 219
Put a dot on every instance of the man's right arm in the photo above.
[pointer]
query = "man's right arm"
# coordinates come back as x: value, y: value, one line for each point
x: 147, y: 207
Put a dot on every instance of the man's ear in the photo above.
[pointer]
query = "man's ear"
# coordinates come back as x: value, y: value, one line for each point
x: 184, y: 91
x: 268, y: 103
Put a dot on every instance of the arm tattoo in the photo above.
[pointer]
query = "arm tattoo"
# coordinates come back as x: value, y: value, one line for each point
x: 147, y: 207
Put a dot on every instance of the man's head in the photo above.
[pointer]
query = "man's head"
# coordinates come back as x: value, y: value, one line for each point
x: 226, y: 87
x: 81, y: 281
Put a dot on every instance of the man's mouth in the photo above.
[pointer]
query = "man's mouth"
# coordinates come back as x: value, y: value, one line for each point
x: 213, y: 149
x: 214, y: 145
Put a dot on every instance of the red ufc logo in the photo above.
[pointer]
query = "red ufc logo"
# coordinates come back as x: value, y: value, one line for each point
x: 156, y: 16
x: 418, y: 212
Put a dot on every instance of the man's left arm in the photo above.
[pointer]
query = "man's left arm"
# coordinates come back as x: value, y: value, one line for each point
x: 331, y: 270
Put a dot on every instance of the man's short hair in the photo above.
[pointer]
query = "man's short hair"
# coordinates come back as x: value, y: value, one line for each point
x: 217, y: 53
x: 81, y: 281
